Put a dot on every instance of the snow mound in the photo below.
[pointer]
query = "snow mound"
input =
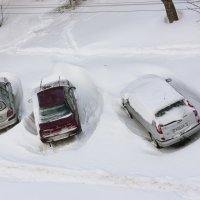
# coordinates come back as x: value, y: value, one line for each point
x: 89, y: 102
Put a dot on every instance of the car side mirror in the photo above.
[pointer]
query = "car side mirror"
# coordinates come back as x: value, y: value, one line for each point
x: 125, y: 101
x: 72, y: 88
x: 8, y: 83
x: 168, y: 80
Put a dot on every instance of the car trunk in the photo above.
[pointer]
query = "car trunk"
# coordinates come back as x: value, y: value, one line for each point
x: 181, y: 121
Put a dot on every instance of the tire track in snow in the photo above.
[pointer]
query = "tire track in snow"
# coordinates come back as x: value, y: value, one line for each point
x: 30, y: 173
x: 182, y: 50
x: 33, y: 32
x: 68, y: 37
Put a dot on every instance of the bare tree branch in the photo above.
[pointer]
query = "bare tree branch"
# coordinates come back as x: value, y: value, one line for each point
x: 3, y: 6
x: 195, y: 6
x: 69, y: 4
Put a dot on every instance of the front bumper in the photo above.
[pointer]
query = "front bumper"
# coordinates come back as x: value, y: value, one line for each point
x: 8, y: 123
x: 180, y: 138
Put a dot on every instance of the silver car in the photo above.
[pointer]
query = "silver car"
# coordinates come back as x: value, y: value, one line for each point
x: 166, y: 114
x: 8, y: 113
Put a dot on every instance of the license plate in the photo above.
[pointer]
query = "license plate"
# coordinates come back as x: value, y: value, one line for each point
x: 182, y: 126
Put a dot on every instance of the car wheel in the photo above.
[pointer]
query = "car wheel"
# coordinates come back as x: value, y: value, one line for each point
x: 17, y: 120
x: 43, y: 140
x: 125, y: 108
x: 154, y: 142
x: 129, y: 114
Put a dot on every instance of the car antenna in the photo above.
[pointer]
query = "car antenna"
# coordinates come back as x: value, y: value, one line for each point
x: 41, y: 84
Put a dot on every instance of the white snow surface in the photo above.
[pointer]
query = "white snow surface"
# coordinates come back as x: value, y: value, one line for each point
x: 101, y: 53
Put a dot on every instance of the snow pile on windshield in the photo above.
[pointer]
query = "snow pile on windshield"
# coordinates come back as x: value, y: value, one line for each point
x: 174, y: 114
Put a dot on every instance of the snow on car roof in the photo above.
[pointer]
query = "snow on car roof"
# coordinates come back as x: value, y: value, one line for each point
x: 3, y: 80
x: 150, y: 94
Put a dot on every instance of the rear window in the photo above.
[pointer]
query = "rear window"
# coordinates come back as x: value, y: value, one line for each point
x: 52, y: 104
x: 54, y: 112
x: 51, y: 97
x: 168, y: 108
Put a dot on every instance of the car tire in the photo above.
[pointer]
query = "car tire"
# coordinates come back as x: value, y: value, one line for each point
x: 43, y: 140
x: 129, y: 114
x: 154, y: 142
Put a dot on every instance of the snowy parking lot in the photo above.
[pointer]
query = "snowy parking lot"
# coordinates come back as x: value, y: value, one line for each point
x: 102, y: 54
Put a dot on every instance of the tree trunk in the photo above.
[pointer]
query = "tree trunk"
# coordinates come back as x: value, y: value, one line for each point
x: 70, y: 2
x: 2, y: 16
x: 170, y: 10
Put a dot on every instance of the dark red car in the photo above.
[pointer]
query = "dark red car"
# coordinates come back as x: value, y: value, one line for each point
x: 56, y: 112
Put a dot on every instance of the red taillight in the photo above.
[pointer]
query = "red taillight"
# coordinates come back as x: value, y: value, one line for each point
x: 51, y: 130
x: 159, y: 130
x: 158, y: 127
x: 190, y: 104
x: 55, y: 129
x: 195, y: 113
x: 194, y: 110
x: 9, y: 112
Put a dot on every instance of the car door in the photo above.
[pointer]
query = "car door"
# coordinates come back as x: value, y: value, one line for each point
x: 69, y: 98
x: 10, y: 94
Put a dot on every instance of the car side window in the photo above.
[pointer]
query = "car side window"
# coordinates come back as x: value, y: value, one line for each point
x: 69, y: 97
x: 9, y: 89
x: 3, y: 91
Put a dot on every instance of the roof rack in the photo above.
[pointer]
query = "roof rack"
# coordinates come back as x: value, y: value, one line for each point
x: 51, y: 84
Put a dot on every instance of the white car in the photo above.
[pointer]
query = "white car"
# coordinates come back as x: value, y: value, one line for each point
x: 166, y: 114
x: 8, y: 112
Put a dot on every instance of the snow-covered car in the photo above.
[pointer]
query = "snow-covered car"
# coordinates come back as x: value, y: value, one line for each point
x: 167, y: 115
x: 55, y: 111
x: 8, y: 112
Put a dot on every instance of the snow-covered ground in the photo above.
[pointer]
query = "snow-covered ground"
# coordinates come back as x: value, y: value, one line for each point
x: 101, y: 53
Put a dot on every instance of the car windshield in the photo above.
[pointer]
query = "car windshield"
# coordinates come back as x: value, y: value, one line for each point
x: 168, y: 108
x: 51, y: 97
x: 52, y: 104
x: 54, y: 112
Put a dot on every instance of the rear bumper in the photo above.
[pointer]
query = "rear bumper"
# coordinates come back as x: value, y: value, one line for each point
x: 179, y: 138
x: 59, y: 135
